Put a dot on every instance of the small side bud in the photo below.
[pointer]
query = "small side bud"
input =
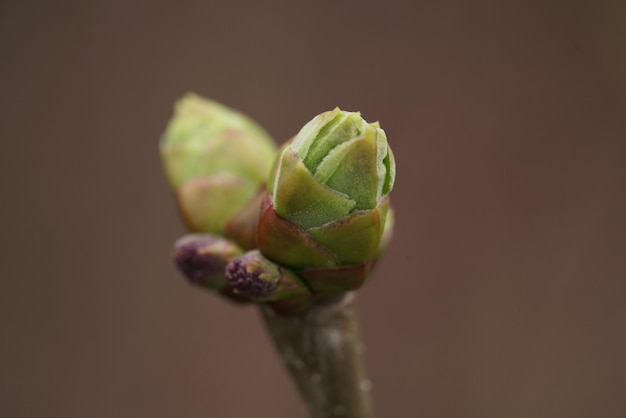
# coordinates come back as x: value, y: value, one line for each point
x: 202, y: 259
x: 260, y: 280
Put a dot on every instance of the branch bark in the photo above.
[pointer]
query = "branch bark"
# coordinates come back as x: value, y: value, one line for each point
x: 322, y: 349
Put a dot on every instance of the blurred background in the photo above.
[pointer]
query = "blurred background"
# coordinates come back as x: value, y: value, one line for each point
x: 502, y: 294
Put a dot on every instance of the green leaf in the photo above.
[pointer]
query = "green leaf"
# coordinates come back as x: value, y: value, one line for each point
x: 311, y: 130
x: 351, y: 169
x: 354, y: 239
x: 299, y: 197
x: 345, y: 126
x: 390, y: 171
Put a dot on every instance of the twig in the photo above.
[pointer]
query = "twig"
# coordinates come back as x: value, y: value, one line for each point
x: 323, y: 351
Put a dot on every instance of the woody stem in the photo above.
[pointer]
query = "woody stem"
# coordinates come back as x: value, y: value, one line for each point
x: 322, y: 349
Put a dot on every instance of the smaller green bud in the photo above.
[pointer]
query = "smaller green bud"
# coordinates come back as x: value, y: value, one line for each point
x: 255, y: 277
x: 216, y: 160
x: 203, y: 258
x: 204, y: 138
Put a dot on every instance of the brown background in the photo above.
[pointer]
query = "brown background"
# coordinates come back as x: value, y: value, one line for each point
x: 502, y: 294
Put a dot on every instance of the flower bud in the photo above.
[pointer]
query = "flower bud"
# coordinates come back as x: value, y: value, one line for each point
x: 205, y: 138
x: 327, y: 201
x: 203, y: 258
x: 216, y: 160
x: 258, y: 279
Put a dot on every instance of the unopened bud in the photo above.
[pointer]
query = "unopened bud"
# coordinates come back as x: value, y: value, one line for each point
x: 202, y: 258
x: 257, y: 278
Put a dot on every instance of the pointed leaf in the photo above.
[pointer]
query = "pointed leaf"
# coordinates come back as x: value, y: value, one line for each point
x: 351, y: 169
x: 299, y: 197
x: 346, y: 126
x: 311, y: 130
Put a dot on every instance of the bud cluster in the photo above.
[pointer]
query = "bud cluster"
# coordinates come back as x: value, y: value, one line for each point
x: 313, y: 216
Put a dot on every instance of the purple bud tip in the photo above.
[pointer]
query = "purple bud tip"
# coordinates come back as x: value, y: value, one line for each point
x: 247, y: 283
x: 196, y: 265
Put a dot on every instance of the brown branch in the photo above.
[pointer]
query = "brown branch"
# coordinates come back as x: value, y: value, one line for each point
x: 323, y: 351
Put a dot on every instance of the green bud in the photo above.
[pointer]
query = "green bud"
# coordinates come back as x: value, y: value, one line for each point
x: 205, y: 138
x: 216, y: 159
x: 336, y: 165
x: 328, y: 201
